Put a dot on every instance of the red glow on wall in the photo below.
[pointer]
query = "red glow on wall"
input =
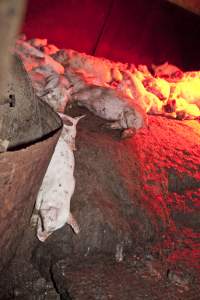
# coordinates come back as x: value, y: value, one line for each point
x: 137, y: 31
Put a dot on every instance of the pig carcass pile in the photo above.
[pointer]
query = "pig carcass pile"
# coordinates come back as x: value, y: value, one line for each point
x: 62, y: 76
x: 122, y: 94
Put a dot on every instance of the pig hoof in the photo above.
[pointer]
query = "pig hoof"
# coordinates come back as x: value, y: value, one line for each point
x: 76, y: 228
x: 128, y: 133
x: 112, y: 125
x: 72, y: 222
x: 42, y: 235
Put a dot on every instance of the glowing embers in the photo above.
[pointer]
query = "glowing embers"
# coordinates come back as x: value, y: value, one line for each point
x: 184, y: 98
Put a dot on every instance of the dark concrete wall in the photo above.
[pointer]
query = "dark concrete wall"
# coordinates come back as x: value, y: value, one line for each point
x: 138, y: 31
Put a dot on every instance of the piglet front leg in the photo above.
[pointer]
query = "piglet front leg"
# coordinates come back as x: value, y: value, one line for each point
x: 34, y: 220
x: 113, y: 125
x: 41, y: 234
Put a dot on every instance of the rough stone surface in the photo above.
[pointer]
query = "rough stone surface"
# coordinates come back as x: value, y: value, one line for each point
x: 26, y: 283
x: 101, y: 278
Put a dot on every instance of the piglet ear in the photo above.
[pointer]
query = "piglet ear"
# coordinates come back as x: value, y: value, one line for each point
x: 69, y: 121
x: 78, y: 118
x: 72, y: 120
x: 62, y: 116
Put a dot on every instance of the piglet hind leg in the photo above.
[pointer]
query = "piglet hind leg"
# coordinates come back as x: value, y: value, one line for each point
x: 72, y: 222
x: 34, y: 220
x: 41, y: 234
x: 35, y: 215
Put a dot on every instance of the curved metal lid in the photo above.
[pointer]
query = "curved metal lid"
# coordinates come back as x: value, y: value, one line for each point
x: 20, y: 121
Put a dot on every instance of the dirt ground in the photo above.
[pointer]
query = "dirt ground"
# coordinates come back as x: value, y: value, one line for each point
x: 137, y: 204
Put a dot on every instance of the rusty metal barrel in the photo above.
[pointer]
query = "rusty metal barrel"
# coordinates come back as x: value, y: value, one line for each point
x: 32, y: 129
x: 21, y: 174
